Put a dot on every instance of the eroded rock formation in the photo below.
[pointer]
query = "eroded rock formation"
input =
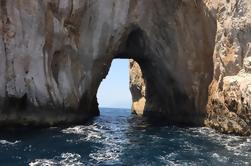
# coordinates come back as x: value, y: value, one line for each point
x: 190, y: 62
x: 229, y: 93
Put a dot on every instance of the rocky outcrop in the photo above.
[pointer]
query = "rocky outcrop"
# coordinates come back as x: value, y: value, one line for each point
x: 137, y: 88
x: 229, y: 93
x: 190, y: 60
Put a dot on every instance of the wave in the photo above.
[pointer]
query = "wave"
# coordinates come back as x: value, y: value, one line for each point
x: 234, y: 145
x: 5, y: 142
x: 89, y: 132
x: 219, y: 158
x: 65, y: 159
x: 105, y: 155
x: 43, y: 162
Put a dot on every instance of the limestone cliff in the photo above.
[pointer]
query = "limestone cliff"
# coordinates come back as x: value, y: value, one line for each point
x: 228, y: 109
x: 229, y: 102
x: 190, y: 62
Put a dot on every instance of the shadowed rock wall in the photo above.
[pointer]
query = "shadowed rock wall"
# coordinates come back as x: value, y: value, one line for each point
x: 176, y: 63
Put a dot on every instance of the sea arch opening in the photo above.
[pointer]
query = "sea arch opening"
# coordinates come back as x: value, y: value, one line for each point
x: 132, y: 52
x: 159, y: 89
x: 149, y: 77
x: 114, y: 90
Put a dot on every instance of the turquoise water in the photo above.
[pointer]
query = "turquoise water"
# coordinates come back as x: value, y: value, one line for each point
x: 119, y: 138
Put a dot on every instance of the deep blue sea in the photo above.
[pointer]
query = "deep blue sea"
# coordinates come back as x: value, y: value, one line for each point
x: 119, y: 138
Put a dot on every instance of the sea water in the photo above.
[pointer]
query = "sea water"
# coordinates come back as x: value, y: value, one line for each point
x: 119, y: 138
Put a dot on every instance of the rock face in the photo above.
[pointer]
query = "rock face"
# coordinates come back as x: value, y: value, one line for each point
x: 190, y: 60
x: 229, y: 102
x: 137, y: 88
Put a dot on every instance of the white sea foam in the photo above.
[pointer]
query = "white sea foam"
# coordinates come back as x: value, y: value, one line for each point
x: 172, y: 156
x: 5, y: 142
x: 43, y: 162
x: 70, y: 159
x: 89, y: 132
x: 111, y: 149
x: 219, y: 158
x: 75, y: 130
x: 66, y: 159
x: 93, y: 135
x: 106, y: 155
x: 170, y: 159
x: 234, y: 144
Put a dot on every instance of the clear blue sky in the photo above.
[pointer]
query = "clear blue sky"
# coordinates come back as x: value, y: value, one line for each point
x: 114, y: 90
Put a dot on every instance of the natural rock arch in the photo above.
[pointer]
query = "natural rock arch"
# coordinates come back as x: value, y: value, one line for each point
x: 61, y: 69
x: 54, y: 55
x: 155, y: 91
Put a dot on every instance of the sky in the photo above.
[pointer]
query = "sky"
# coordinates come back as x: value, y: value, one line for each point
x: 114, y: 89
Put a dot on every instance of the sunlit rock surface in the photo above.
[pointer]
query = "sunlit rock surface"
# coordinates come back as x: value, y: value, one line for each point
x: 229, y: 102
x: 190, y: 60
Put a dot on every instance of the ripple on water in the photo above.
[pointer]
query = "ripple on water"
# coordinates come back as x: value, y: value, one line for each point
x: 235, y: 146
x: 110, y: 136
x: 118, y: 138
